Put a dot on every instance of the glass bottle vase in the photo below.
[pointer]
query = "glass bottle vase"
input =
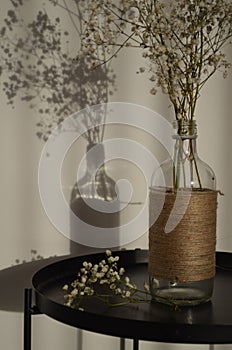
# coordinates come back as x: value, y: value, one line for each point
x: 182, y: 214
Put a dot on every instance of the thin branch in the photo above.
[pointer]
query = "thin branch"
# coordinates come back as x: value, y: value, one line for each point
x: 71, y: 18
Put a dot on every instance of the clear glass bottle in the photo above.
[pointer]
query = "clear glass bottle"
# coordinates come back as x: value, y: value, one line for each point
x: 181, y: 250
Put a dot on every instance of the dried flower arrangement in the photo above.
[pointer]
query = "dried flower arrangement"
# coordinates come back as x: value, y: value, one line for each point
x: 182, y: 41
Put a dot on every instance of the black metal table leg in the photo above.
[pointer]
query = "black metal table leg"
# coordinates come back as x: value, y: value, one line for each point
x: 29, y: 310
x: 135, y: 344
x: 122, y: 344
x: 27, y: 319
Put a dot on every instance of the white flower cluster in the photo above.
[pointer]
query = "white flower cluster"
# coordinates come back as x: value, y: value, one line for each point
x: 92, y: 277
x: 183, y: 41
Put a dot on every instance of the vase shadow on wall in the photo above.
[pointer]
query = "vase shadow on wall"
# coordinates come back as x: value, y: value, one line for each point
x: 94, y: 206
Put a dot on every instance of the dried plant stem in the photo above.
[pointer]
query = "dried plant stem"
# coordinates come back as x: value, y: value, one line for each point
x: 180, y: 163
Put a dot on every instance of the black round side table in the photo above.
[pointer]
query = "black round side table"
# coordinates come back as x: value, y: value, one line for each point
x: 209, y: 323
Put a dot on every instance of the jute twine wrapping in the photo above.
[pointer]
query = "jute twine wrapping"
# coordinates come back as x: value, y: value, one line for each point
x: 187, y: 253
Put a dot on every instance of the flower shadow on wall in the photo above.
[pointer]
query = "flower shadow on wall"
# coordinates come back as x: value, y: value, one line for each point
x: 39, y: 66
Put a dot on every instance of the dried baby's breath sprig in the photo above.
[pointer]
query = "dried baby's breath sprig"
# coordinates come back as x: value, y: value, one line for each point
x: 182, y: 42
x: 105, y: 281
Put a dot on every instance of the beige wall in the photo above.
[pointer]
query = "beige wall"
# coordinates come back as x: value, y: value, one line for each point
x: 27, y: 234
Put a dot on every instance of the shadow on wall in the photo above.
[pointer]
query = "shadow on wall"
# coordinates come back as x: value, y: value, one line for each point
x: 37, y: 67
x: 53, y: 90
x: 15, y: 279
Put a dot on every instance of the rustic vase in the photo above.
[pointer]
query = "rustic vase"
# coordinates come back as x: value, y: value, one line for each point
x: 182, y: 235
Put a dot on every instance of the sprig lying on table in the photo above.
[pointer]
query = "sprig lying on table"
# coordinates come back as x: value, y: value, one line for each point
x: 105, y: 281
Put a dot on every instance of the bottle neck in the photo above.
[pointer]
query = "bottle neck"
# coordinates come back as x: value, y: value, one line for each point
x: 186, y: 135
x: 186, y: 128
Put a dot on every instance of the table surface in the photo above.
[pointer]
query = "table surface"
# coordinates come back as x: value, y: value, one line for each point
x: 209, y: 323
